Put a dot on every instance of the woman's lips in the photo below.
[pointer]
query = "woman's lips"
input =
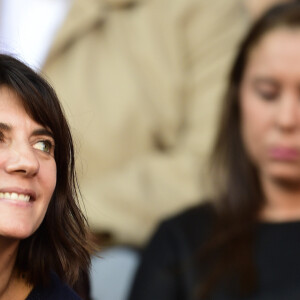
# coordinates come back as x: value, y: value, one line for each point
x: 17, y: 197
x: 284, y: 153
x: 18, y: 191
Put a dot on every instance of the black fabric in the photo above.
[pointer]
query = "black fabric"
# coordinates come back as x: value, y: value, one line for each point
x: 57, y: 290
x: 169, y: 271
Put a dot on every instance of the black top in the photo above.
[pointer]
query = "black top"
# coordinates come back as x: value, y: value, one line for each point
x: 57, y: 290
x: 168, y: 270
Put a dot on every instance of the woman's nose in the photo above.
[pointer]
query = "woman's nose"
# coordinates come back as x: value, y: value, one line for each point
x: 288, y: 113
x: 22, y: 160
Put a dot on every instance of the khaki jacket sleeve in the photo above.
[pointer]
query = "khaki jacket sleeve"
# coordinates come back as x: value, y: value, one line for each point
x: 201, y: 36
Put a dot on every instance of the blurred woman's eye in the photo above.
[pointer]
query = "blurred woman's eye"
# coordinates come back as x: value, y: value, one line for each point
x: 266, y: 88
x: 44, y: 145
x: 267, y: 94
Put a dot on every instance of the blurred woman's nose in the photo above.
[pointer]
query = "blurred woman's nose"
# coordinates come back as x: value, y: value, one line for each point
x: 22, y: 160
x: 288, y: 112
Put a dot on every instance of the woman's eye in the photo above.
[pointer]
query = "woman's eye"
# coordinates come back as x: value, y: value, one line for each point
x: 45, y: 146
x: 268, y: 95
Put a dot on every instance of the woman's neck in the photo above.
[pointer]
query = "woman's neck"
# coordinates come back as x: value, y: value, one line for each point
x: 282, y: 201
x: 11, y: 286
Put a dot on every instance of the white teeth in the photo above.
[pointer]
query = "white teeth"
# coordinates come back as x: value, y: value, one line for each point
x: 15, y: 196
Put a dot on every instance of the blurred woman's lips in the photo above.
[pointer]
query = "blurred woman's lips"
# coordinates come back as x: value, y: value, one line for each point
x: 284, y: 153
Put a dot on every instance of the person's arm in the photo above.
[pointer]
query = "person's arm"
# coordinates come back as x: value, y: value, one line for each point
x: 202, y: 36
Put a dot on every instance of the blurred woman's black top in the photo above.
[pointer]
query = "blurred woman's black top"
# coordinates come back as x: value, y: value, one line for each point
x: 169, y: 271
x: 57, y: 290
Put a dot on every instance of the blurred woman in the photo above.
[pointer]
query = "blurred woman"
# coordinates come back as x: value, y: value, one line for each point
x: 44, y: 246
x: 244, y: 244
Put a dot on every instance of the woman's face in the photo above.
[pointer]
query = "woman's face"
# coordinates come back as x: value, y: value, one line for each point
x: 270, y: 105
x: 27, y: 169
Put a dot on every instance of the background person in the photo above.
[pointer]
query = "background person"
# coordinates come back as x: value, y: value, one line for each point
x: 44, y: 243
x: 245, y: 244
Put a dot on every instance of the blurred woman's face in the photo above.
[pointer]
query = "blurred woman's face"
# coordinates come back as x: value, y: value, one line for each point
x: 270, y: 105
x: 27, y: 169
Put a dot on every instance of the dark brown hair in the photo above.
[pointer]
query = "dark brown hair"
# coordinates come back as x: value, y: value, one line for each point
x: 61, y: 243
x: 235, y: 178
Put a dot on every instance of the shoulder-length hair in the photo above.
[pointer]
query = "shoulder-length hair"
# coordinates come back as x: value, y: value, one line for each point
x: 239, y: 195
x: 61, y: 243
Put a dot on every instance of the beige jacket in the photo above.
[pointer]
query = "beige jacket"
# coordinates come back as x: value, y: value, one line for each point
x: 141, y: 82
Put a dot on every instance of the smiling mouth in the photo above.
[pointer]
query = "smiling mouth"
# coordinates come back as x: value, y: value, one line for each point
x: 15, y: 196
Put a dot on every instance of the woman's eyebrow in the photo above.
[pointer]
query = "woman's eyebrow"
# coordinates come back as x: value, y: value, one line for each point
x: 265, y: 80
x: 42, y: 131
x: 39, y: 131
x: 5, y: 127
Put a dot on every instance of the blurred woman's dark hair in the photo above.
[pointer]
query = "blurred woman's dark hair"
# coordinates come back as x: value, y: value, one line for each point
x: 61, y: 243
x: 239, y: 195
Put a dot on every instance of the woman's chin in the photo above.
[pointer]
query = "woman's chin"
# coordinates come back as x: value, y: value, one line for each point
x: 287, y: 175
x: 287, y: 180
x: 15, y: 233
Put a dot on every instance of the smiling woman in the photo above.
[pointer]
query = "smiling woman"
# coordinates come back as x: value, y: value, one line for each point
x: 44, y: 244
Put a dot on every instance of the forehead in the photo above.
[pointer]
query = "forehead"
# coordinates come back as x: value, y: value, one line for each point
x: 278, y: 52
x: 9, y: 99
x: 12, y: 108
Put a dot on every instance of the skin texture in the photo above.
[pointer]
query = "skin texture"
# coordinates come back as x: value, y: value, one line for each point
x: 270, y: 113
x: 27, y: 166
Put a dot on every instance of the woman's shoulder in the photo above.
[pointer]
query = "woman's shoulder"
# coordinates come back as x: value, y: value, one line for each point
x: 169, y: 258
x: 198, y: 216
x: 56, y: 290
x: 191, y: 226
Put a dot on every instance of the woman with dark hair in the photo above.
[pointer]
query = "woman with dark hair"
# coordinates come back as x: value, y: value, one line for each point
x: 244, y: 244
x: 44, y: 246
